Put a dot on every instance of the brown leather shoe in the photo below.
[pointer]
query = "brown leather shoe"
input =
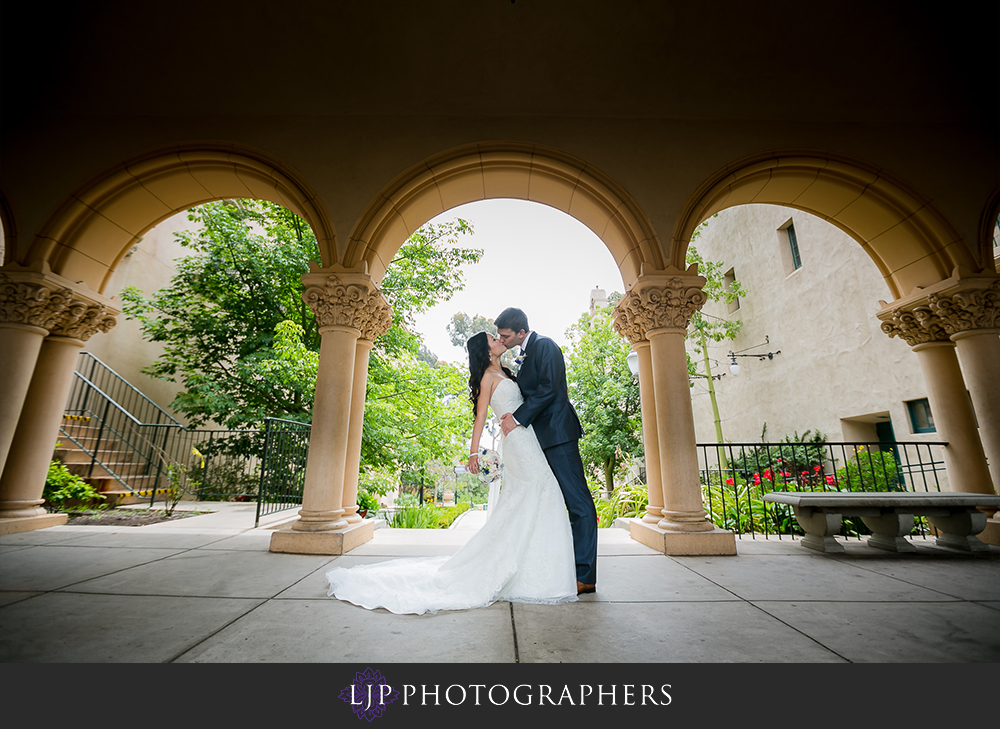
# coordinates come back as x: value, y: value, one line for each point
x: 582, y: 588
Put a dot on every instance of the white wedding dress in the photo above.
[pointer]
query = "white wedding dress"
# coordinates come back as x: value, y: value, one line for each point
x: 524, y: 552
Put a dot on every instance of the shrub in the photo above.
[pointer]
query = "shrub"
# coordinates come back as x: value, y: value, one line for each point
x: 738, y: 505
x: 869, y: 471
x: 627, y: 501
x: 62, y: 486
x: 415, y: 517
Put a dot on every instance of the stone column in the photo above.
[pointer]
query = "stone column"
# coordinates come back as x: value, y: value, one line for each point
x: 74, y: 316
x: 374, y: 329
x: 345, y: 303
x: 934, y: 322
x: 29, y: 307
x: 650, y: 438
x: 972, y: 318
x: 658, y: 309
x: 979, y: 353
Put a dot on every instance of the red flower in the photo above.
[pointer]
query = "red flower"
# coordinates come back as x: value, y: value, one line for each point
x: 816, y: 469
x: 805, y: 473
x: 767, y: 474
x: 729, y: 481
x: 756, y: 479
x: 786, y: 474
x: 830, y: 480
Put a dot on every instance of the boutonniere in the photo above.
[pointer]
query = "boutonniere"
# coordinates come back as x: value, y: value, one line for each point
x: 519, y: 360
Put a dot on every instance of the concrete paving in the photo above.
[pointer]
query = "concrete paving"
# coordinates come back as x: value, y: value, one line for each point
x: 206, y: 589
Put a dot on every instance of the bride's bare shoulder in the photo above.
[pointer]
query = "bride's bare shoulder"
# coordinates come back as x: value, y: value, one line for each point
x: 491, y: 380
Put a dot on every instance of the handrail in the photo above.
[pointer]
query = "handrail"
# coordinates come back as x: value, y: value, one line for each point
x: 110, y: 399
x: 125, y: 383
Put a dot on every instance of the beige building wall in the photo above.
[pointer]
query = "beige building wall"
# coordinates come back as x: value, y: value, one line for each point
x: 149, y: 267
x: 837, y: 371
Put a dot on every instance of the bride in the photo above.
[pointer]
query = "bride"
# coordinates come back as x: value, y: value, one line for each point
x: 524, y: 552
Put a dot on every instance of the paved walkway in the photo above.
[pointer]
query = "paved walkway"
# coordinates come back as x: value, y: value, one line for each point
x: 206, y: 589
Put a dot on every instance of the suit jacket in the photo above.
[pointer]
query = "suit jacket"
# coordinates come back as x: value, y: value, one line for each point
x: 542, y: 379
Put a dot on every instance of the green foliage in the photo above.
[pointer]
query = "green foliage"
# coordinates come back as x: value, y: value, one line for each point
x: 367, y: 501
x: 869, y: 471
x: 703, y: 327
x: 627, y: 501
x: 238, y: 336
x: 217, y: 318
x: 462, y: 326
x: 61, y: 487
x: 427, y: 517
x: 448, y: 514
x: 797, y: 458
x: 605, y: 394
x: 415, y: 517
x: 737, y: 504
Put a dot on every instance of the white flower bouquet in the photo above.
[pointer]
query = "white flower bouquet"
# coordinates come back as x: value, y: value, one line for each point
x: 490, y: 465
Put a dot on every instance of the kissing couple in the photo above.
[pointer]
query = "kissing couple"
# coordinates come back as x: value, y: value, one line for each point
x: 539, y: 543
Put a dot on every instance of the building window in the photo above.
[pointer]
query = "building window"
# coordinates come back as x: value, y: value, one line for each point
x: 727, y: 284
x: 793, y: 243
x: 921, y: 419
x: 788, y: 241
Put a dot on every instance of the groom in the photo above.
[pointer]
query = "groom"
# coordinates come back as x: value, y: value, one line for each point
x: 542, y: 380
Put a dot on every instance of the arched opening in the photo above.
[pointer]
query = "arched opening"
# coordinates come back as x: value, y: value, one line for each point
x: 86, y: 238
x: 909, y: 240
x: 504, y: 170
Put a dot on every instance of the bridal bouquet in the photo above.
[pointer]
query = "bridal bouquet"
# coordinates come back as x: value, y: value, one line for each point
x: 490, y: 465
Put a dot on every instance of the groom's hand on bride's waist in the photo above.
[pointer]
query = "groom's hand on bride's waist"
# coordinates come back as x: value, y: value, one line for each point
x: 507, y: 423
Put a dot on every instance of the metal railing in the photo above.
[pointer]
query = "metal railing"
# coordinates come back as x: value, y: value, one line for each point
x: 130, y: 439
x: 736, y: 476
x: 283, y: 470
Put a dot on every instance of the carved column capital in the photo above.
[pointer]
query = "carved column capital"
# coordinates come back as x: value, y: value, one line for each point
x: 348, y: 300
x: 42, y: 300
x: 659, y: 300
x: 954, y: 307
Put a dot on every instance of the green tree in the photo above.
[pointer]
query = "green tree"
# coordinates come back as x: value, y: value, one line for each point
x: 705, y: 328
x: 605, y: 394
x: 462, y: 326
x: 237, y: 334
x: 217, y: 318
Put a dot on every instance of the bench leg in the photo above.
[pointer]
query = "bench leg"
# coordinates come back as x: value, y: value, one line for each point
x: 889, y: 530
x: 819, y: 527
x: 959, y: 530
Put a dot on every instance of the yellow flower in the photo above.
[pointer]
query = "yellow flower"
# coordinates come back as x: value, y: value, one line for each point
x: 196, y: 452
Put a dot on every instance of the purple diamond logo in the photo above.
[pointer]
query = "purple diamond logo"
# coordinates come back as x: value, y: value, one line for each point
x: 369, y: 694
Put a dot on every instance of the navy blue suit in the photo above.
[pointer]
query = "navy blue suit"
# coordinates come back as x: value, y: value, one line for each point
x: 542, y: 380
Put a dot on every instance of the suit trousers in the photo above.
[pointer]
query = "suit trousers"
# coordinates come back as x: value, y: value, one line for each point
x: 564, y: 460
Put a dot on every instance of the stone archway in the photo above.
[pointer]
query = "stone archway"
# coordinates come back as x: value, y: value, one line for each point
x: 351, y: 313
x: 909, y: 240
x: 504, y: 170
x: 52, y: 293
x: 946, y: 293
x: 86, y: 237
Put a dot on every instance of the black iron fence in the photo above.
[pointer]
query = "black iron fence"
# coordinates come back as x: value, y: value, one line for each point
x: 283, y: 470
x: 736, y: 476
x: 122, y: 436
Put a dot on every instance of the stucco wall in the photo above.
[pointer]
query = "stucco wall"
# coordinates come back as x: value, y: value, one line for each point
x: 148, y: 267
x: 837, y: 372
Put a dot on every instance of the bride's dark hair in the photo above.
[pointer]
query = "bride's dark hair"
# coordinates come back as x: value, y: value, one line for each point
x: 479, y: 360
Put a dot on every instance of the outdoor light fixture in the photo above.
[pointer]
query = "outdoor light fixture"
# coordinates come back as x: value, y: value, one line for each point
x: 633, y: 362
x: 734, y: 366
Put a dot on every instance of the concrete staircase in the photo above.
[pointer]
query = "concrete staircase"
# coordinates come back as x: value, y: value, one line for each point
x: 115, y: 462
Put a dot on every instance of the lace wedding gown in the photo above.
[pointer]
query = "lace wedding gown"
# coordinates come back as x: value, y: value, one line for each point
x: 524, y: 552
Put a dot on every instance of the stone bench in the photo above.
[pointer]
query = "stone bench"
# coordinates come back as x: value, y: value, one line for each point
x: 890, y: 517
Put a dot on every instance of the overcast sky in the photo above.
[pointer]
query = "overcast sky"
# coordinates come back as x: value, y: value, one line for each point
x: 536, y: 258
